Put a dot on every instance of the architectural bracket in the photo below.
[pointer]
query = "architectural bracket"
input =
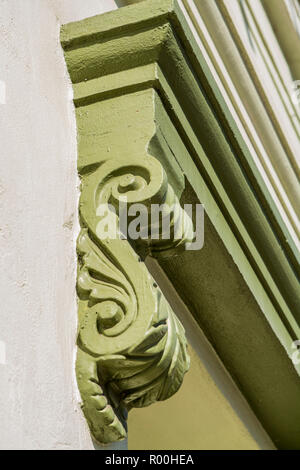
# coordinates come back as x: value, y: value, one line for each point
x: 131, y: 346
x: 153, y: 127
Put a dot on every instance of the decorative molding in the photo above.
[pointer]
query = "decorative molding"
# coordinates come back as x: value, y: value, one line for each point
x: 273, y: 90
x: 284, y: 17
x: 147, y: 104
x: 293, y: 8
x: 248, y: 109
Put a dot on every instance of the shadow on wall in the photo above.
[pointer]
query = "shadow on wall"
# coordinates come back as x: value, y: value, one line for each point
x: 197, y: 417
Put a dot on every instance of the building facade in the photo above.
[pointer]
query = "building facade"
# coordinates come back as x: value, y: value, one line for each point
x: 193, y: 104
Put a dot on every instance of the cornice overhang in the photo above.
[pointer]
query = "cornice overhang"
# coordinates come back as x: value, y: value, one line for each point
x: 152, y: 46
x: 142, y: 88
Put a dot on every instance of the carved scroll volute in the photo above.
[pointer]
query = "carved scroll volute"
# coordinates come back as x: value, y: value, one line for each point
x: 131, y: 346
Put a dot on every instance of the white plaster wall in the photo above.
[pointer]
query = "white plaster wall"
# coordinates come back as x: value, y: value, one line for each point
x: 38, y: 228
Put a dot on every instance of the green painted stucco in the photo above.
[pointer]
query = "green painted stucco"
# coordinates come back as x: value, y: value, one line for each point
x: 141, y: 87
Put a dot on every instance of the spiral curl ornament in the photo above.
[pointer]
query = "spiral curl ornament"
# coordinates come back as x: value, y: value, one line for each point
x: 131, y: 346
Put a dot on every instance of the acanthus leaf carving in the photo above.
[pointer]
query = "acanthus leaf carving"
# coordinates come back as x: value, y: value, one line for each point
x: 131, y: 346
x: 132, y: 349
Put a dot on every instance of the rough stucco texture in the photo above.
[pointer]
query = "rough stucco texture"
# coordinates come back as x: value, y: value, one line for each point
x: 38, y: 228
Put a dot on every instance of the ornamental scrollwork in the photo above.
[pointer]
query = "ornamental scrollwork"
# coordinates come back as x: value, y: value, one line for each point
x: 131, y: 346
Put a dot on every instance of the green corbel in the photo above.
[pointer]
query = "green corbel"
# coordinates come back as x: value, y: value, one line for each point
x: 131, y: 346
x: 150, y: 114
